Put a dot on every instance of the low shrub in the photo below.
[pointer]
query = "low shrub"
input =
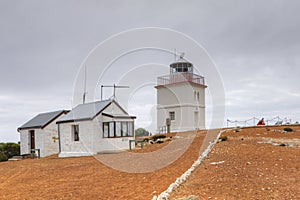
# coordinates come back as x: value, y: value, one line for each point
x: 288, y: 129
x: 223, y: 138
x: 155, y: 137
x: 8, y: 150
x: 3, y: 157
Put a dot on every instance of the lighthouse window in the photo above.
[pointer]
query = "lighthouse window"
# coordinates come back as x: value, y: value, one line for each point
x: 172, y: 115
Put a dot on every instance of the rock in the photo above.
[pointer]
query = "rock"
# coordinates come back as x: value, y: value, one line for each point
x: 217, y: 163
x: 159, y: 141
x: 191, y: 197
x: 15, y: 158
x: 151, y: 142
x: 284, y: 132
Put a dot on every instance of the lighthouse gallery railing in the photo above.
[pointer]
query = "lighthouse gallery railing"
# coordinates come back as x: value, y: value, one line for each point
x: 180, y: 78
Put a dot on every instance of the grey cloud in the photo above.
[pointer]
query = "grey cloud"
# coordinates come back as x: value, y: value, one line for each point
x: 254, y: 44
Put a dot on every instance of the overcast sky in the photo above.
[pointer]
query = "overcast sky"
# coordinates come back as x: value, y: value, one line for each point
x: 254, y: 44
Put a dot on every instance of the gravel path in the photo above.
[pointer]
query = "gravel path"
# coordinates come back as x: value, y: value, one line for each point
x: 87, y: 178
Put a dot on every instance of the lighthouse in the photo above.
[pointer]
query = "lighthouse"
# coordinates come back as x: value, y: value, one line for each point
x: 180, y: 99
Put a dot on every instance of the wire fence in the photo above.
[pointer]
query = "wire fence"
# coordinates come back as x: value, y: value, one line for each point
x: 254, y: 120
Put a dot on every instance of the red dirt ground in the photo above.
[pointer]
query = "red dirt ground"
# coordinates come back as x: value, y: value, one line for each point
x: 250, y: 171
x: 87, y: 178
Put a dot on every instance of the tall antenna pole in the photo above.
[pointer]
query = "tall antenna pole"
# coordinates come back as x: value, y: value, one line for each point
x: 84, y: 86
x: 114, y: 95
x: 101, y: 92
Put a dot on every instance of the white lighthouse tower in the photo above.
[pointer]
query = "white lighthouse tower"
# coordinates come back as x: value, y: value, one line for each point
x: 180, y: 99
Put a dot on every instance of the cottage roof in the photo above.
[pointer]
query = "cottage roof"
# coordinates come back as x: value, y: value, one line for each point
x: 42, y: 120
x: 120, y: 116
x: 87, y: 111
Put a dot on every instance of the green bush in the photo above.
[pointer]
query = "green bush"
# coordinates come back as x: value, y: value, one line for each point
x: 288, y: 129
x: 3, y: 157
x: 155, y: 137
x: 8, y: 150
x: 223, y: 138
x: 141, y: 132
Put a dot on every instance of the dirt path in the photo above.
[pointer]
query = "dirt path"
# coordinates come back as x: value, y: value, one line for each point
x: 87, y: 178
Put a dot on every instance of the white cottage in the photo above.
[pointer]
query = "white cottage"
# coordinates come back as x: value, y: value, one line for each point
x: 41, y: 133
x: 95, y: 127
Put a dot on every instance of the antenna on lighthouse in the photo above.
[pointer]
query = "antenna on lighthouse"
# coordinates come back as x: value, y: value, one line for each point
x: 181, y: 56
x: 175, y: 55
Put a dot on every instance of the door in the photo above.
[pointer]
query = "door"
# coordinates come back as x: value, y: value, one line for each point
x: 32, y: 139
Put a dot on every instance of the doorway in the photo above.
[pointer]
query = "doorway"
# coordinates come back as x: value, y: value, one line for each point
x: 32, y: 139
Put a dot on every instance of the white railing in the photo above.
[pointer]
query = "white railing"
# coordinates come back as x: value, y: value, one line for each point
x: 180, y: 78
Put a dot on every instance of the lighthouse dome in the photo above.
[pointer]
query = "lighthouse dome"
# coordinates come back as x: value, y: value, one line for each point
x: 181, y: 65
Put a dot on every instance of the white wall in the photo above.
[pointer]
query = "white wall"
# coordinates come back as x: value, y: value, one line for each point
x: 51, y: 142
x: 24, y: 142
x: 84, y: 146
x: 181, y: 99
x: 43, y: 139
x: 91, y: 139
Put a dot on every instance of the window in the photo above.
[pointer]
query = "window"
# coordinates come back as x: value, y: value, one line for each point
x: 105, y: 129
x: 75, y: 132
x: 111, y: 131
x: 124, y: 129
x: 130, y: 128
x: 111, y: 128
x: 172, y: 115
x: 118, y: 129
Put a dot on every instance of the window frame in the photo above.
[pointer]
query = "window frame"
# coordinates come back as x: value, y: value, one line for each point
x: 75, y: 133
x: 121, y: 129
x: 172, y: 115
